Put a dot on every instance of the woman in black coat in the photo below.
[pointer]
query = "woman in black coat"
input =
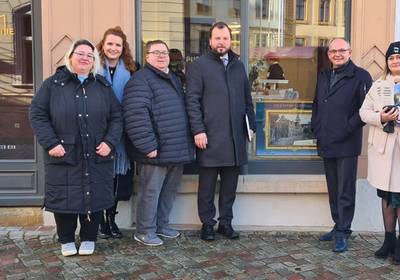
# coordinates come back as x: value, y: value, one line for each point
x: 77, y: 120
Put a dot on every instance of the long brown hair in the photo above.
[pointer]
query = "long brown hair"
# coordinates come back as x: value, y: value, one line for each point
x: 126, y: 55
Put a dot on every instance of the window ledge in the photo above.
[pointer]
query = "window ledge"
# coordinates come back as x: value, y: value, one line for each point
x: 267, y: 184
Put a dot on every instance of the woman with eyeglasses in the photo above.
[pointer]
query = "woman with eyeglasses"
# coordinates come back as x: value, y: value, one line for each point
x: 77, y: 120
x: 381, y: 112
x: 117, y: 66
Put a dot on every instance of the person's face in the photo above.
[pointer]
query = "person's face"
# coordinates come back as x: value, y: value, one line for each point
x: 220, y: 41
x: 158, y: 57
x: 394, y: 64
x: 339, y: 53
x: 82, y: 60
x: 112, y: 47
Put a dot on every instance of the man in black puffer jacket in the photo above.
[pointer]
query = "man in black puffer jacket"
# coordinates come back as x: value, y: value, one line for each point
x: 157, y: 125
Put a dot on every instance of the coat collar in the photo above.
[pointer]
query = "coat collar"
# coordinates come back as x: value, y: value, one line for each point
x: 347, y: 72
x: 167, y: 76
x: 63, y: 76
x: 215, y: 56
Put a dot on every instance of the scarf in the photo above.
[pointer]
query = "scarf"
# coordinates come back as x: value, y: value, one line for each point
x: 121, y: 77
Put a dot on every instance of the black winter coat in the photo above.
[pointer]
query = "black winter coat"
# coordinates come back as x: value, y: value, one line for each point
x: 217, y: 101
x: 79, y: 117
x: 336, y: 122
x: 155, y: 118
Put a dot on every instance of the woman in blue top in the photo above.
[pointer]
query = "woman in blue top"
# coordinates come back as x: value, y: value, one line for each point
x: 117, y: 66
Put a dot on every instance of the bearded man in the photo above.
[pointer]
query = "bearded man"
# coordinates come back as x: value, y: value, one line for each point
x: 217, y: 101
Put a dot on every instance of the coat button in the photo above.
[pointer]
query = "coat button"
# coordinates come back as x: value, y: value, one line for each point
x: 87, y: 135
x: 77, y: 96
x: 87, y: 193
x: 87, y: 115
x: 87, y: 155
x: 80, y: 115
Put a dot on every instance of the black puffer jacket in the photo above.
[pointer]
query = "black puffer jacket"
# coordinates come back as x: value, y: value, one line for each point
x: 155, y: 118
x: 79, y: 117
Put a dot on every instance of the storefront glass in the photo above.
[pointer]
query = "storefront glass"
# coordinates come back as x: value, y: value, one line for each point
x: 286, y: 42
x: 16, y: 80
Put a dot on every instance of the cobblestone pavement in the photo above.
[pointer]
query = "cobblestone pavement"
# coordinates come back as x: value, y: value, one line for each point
x: 33, y: 253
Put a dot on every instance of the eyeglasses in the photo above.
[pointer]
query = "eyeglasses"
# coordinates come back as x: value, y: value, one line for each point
x: 83, y: 55
x: 339, y: 51
x: 159, y: 53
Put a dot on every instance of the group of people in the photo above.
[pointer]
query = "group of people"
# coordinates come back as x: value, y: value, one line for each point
x: 100, y: 113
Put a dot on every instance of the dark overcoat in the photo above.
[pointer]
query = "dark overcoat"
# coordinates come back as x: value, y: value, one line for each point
x: 155, y: 118
x: 217, y: 101
x: 79, y: 117
x: 336, y: 122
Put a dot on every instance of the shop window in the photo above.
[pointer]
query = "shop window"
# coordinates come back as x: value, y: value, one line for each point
x: 324, y: 11
x: 300, y: 9
x: 283, y: 102
x: 275, y: 38
x: 16, y: 80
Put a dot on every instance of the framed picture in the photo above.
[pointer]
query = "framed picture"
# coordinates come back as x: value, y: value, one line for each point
x: 284, y: 129
x: 289, y: 129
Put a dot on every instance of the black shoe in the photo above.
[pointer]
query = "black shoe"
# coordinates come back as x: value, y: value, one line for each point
x: 388, y: 247
x: 340, y: 245
x: 396, y: 256
x: 227, y: 231
x: 113, y: 226
x: 207, y: 233
x: 105, y: 230
x: 327, y: 236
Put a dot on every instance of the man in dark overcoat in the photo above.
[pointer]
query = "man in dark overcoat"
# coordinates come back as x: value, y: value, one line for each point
x: 218, y: 100
x: 336, y: 123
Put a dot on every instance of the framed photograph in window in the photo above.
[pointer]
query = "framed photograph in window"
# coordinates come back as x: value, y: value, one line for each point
x: 284, y: 129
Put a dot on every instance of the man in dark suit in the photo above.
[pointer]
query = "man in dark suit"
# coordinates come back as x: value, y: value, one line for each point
x: 337, y: 126
x: 217, y: 100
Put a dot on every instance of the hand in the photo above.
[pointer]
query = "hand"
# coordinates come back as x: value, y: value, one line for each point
x: 57, y: 151
x: 391, y: 115
x: 103, y: 149
x: 152, y: 154
x: 201, y: 140
x: 251, y: 134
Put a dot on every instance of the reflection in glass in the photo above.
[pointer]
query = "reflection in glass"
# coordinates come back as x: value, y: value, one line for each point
x: 16, y: 79
x: 286, y: 51
x: 184, y: 25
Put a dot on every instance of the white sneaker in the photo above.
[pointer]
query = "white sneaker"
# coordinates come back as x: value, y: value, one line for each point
x: 86, y: 248
x: 68, y: 249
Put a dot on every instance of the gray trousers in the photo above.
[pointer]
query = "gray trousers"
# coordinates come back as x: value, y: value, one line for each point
x: 156, y: 194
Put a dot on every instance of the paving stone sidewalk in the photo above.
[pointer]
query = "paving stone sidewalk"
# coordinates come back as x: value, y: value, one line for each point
x: 33, y: 253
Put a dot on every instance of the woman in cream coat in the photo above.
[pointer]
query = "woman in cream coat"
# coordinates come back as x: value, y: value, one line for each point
x: 384, y: 148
